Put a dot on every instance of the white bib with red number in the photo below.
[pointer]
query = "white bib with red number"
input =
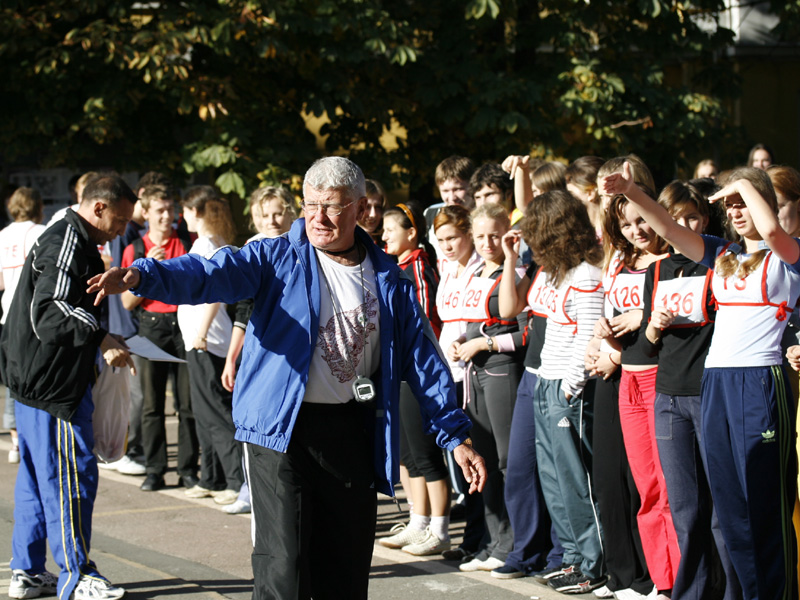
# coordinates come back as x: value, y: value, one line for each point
x: 466, y: 299
x: 625, y: 290
x: 685, y: 297
x: 547, y: 301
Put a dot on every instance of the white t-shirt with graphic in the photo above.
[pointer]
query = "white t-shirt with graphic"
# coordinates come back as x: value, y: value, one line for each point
x: 347, y: 344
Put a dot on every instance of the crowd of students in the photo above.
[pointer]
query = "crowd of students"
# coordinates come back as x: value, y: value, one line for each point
x: 619, y: 351
x: 627, y: 387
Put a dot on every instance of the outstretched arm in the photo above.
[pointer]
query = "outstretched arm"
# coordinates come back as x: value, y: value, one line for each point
x: 113, y: 281
x: 764, y: 219
x: 684, y: 240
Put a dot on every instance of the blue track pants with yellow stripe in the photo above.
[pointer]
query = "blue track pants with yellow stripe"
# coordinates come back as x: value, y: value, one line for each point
x: 54, y: 495
x: 749, y: 437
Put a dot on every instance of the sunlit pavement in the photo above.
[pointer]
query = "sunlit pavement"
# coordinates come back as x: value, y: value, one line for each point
x: 165, y: 545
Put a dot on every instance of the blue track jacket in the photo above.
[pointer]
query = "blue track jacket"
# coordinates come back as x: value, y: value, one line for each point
x: 281, y: 275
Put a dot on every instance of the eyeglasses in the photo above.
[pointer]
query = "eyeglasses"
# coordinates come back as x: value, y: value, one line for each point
x: 330, y: 210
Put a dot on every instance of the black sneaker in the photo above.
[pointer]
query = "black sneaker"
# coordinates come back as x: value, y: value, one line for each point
x: 545, y: 576
x: 457, y: 554
x: 507, y: 572
x: 576, y: 582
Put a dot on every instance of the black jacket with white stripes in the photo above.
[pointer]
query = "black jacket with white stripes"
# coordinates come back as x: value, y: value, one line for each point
x: 49, y: 343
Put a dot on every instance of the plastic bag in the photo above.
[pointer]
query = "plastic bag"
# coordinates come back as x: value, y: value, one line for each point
x: 112, y: 399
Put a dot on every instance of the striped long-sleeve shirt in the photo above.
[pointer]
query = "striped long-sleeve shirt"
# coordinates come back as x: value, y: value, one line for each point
x: 418, y: 268
x: 581, y: 300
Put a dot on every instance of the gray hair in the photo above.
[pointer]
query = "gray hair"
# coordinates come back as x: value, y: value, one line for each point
x: 336, y: 172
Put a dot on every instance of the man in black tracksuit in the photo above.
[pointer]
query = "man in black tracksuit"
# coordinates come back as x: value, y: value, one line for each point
x: 48, y: 358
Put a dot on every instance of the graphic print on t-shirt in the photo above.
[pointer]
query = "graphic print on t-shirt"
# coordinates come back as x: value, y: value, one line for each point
x: 333, y: 341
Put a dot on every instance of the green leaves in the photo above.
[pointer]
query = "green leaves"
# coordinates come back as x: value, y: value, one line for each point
x: 213, y: 156
x: 231, y: 182
x: 241, y: 92
x: 477, y: 9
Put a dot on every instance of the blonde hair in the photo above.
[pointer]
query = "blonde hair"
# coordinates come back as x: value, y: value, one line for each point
x: 83, y: 181
x: 266, y: 194
x: 26, y: 204
x: 491, y: 211
x: 727, y: 264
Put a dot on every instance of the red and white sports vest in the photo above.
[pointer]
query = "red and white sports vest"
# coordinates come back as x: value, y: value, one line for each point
x: 547, y: 301
x: 685, y: 297
x: 624, y: 291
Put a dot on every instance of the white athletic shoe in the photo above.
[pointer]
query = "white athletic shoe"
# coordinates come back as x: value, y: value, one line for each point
x: 127, y: 466
x: 199, y: 491
x: 96, y: 588
x: 490, y: 564
x: 431, y: 544
x: 404, y: 536
x: 226, y: 496
x: 23, y: 585
x: 603, y: 592
x: 630, y: 594
x: 240, y: 507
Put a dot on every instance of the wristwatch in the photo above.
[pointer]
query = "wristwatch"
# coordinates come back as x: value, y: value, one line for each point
x: 490, y: 343
x: 468, y: 442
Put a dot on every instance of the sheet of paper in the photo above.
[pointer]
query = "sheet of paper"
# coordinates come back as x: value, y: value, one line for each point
x: 147, y: 349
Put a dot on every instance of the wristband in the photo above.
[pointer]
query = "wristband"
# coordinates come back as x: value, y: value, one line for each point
x: 610, y: 354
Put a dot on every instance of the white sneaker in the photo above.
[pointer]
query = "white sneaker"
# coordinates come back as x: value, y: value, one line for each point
x: 240, y: 507
x: 404, y: 537
x: 199, y: 491
x: 629, y: 594
x: 96, y: 588
x: 23, y: 585
x: 431, y: 544
x: 226, y: 496
x: 490, y: 564
x: 603, y: 592
x: 127, y: 466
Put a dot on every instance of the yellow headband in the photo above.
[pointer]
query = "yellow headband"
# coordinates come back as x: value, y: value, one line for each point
x: 407, y: 212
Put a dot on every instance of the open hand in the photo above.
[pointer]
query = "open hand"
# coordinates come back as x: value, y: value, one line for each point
x: 617, y: 183
x: 113, y: 281
x: 513, y: 162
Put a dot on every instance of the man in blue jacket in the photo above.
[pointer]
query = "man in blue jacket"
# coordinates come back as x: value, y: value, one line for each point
x: 335, y: 329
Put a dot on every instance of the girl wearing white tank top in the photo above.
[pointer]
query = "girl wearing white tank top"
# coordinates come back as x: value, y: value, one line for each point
x: 747, y: 412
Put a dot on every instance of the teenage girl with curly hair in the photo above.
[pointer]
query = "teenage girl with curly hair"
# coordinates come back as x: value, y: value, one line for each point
x: 566, y: 289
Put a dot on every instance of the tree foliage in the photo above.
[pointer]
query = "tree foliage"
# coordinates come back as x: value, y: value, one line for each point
x: 220, y: 88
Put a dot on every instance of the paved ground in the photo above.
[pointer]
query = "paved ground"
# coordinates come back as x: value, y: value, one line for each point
x: 164, y: 545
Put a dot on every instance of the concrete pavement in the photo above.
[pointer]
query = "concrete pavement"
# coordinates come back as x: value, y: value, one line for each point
x: 164, y: 545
